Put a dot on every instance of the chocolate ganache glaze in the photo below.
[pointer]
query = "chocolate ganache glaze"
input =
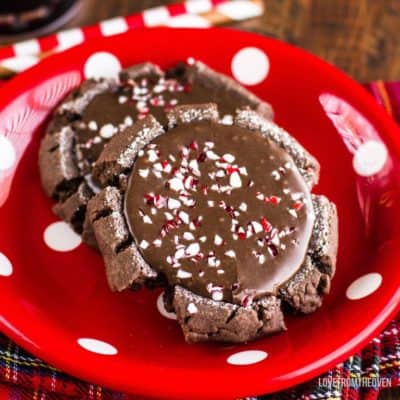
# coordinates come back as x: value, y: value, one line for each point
x: 219, y: 210
x: 110, y: 112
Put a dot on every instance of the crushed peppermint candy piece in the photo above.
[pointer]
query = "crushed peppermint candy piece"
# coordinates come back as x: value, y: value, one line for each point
x: 193, y: 249
x: 298, y: 205
x: 92, y: 125
x: 169, y: 216
x: 180, y: 253
x: 181, y: 274
x: 173, y: 204
x: 157, y: 242
x: 176, y: 184
x: 273, y: 250
x: 241, y: 233
x: 243, y: 171
x: 108, y: 131
x: 246, y: 301
x: 158, y: 167
x: 276, y: 175
x: 229, y: 158
x: 230, y: 253
x: 159, y: 201
x: 274, y: 199
x: 257, y: 227
x: 227, y: 119
x: 260, y: 196
x: 212, y: 261
x: 220, y: 173
x: 212, y: 156
x: 189, y: 202
x: 144, y: 244
x: 215, y: 291
x: 184, y: 217
x: 265, y: 224
x: 235, y: 181
x: 152, y: 155
x: 122, y: 99
x: 297, y: 196
x: 288, y: 165
x: 144, y: 173
x: 217, y: 295
x: 194, y: 165
x: 147, y: 219
x: 243, y: 207
x: 189, y: 182
x: 218, y: 240
x: 188, y: 236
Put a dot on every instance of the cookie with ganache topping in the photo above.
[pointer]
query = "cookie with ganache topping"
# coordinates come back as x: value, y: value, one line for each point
x: 221, y: 213
x: 100, y: 109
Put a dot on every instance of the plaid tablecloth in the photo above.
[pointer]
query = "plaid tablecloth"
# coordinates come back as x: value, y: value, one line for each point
x: 23, y: 376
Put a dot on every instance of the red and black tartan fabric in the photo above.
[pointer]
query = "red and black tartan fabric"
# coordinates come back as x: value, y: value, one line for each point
x: 24, y: 377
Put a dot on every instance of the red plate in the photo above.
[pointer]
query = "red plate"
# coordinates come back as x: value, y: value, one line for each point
x: 51, y: 300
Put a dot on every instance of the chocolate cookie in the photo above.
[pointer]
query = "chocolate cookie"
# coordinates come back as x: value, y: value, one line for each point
x: 223, y: 213
x: 99, y: 110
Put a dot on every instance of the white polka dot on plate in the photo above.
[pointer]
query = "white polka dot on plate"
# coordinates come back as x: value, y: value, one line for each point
x: 364, y: 286
x: 162, y: 310
x: 370, y: 158
x: 102, y: 65
x: 6, y: 268
x: 250, y: 66
x: 7, y: 153
x: 247, y: 357
x: 97, y: 346
x: 59, y: 236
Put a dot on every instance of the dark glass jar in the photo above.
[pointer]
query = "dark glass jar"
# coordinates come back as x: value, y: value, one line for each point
x: 21, y: 17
